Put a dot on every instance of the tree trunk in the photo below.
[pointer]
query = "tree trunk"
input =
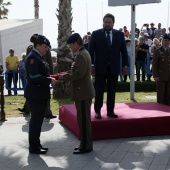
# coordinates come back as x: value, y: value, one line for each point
x: 36, y: 9
x: 64, y: 55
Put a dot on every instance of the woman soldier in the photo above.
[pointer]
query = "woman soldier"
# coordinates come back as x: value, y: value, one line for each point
x: 37, y: 90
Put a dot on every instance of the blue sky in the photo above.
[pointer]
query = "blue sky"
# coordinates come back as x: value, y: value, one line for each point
x: 88, y: 14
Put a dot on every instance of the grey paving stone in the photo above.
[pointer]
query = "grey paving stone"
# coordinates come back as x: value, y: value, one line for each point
x: 139, y: 153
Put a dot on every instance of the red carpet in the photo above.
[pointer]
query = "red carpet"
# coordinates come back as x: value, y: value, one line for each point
x: 135, y: 119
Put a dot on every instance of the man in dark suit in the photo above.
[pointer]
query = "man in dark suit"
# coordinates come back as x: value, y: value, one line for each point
x: 105, y: 47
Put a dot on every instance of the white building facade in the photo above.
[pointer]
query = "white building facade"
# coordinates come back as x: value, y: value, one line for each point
x: 16, y: 34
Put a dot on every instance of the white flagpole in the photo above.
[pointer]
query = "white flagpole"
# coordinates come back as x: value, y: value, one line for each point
x: 102, y: 9
x: 87, y: 17
x: 168, y: 18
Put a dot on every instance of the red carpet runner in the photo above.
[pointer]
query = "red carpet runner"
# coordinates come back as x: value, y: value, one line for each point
x: 135, y: 119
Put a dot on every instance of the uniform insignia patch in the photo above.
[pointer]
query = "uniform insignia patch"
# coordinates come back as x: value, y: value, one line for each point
x: 31, y: 61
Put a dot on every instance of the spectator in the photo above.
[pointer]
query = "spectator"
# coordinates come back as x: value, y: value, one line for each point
x: 158, y: 31
x: 148, y: 60
x: 121, y: 29
x: 126, y: 32
x: 21, y: 66
x: 152, y: 29
x: 145, y: 28
x: 141, y: 54
x: 12, y: 70
x: 86, y: 40
x: 1, y: 69
x: 148, y: 41
x: 155, y: 45
x: 163, y: 31
x: 160, y: 40
x: 128, y: 41
x: 141, y: 34
x: 169, y: 32
x: 137, y: 31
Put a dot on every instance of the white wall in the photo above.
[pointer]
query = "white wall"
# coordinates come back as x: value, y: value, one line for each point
x: 16, y: 34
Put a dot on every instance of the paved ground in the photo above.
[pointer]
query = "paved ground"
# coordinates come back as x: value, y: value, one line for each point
x: 138, y: 153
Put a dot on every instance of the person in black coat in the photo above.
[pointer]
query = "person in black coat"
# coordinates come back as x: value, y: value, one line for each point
x: 37, y: 90
x: 105, y: 47
x: 48, y: 58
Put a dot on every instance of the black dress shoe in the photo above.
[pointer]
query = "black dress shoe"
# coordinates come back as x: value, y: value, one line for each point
x: 77, y: 148
x: 38, y: 151
x: 50, y: 117
x: 112, y: 114
x: 46, y: 149
x: 23, y: 111
x: 81, y: 151
x: 98, y: 115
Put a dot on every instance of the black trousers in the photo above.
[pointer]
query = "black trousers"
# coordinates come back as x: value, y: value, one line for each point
x: 100, y: 83
x: 83, y: 108
x: 48, y: 111
x: 37, y: 107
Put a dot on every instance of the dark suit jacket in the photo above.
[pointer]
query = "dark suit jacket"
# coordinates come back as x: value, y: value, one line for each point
x: 37, y: 73
x: 100, y: 52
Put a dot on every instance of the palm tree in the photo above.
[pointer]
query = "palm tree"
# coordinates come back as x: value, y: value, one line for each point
x: 64, y: 56
x: 3, y: 10
x: 36, y: 9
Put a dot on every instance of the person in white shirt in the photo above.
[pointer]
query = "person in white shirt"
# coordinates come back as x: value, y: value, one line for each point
x: 149, y: 42
x: 158, y: 31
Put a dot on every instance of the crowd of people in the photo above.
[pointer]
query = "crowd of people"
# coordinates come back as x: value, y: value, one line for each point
x: 148, y: 38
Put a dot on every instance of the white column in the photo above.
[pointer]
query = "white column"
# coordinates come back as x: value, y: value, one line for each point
x: 132, y: 59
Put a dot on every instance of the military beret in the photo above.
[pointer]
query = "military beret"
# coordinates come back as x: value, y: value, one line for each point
x: 73, y: 38
x: 43, y: 40
x: 165, y: 36
x: 40, y: 39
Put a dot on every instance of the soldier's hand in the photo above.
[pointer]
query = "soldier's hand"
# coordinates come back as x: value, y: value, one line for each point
x: 60, y: 77
x: 53, y: 81
x: 156, y: 78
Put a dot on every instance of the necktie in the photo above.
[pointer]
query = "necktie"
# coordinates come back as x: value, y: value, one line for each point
x: 108, y: 39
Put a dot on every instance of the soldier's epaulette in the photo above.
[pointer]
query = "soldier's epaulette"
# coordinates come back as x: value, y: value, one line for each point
x: 82, y: 48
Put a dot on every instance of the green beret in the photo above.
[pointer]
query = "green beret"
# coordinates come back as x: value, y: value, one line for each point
x: 165, y: 36
x: 73, y: 38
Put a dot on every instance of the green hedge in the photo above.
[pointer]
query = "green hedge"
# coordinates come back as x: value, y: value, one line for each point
x: 139, y: 87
